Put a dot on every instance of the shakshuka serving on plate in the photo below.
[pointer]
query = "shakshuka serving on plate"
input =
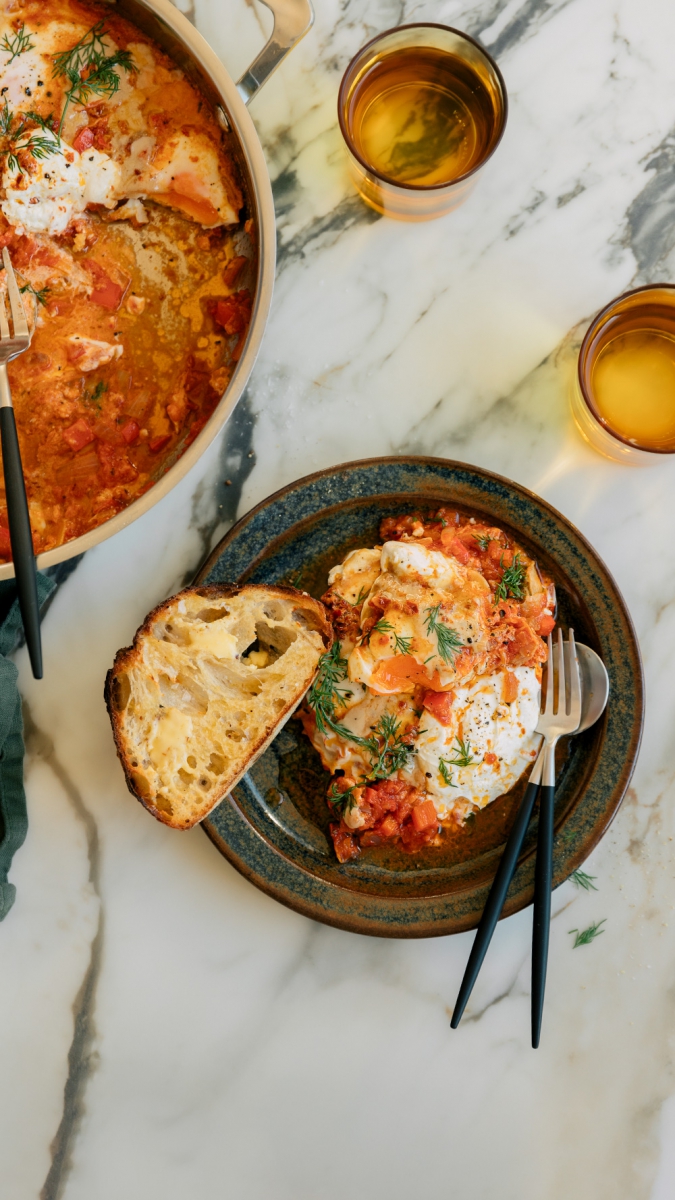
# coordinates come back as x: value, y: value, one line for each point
x: 120, y: 208
x: 424, y: 709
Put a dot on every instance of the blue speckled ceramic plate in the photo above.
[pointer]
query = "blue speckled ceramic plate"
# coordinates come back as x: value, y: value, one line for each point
x: 274, y: 826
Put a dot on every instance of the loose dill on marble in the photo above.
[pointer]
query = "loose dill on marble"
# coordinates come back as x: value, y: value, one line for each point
x: 586, y: 936
x: 584, y: 881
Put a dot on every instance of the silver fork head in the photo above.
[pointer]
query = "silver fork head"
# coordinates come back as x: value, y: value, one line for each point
x: 17, y: 339
x: 562, y: 712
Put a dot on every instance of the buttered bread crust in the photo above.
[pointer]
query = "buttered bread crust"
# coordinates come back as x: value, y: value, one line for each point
x: 212, y: 675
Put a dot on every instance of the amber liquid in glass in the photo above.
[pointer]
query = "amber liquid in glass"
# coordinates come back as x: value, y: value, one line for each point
x: 420, y: 116
x: 633, y: 380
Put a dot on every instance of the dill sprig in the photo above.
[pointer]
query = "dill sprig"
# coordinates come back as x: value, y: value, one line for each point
x: 39, y: 294
x: 94, y: 397
x: 89, y: 69
x: 18, y: 44
x: 463, y: 754
x: 13, y: 128
x: 389, y: 752
x: 361, y: 597
x: 584, y: 881
x: 445, y: 773
x: 587, y: 935
x: 483, y: 540
x: 512, y: 582
x: 448, y: 642
x: 402, y: 645
x: 325, y: 694
x: 388, y: 747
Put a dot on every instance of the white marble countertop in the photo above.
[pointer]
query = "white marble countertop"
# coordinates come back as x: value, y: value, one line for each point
x: 169, y: 1032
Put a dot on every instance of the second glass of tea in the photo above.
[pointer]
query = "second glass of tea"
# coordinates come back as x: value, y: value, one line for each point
x: 623, y: 395
x: 421, y: 108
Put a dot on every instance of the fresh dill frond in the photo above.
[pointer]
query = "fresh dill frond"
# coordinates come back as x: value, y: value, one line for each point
x: 94, y: 397
x: 402, y: 645
x: 463, y: 754
x: 448, y: 642
x: 445, y: 773
x: 483, y: 540
x: 18, y: 44
x: 13, y: 128
x: 584, y: 881
x: 39, y: 294
x: 381, y: 626
x: 361, y: 597
x: 89, y: 69
x: 587, y: 935
x: 389, y: 750
x: 512, y: 582
x: 342, y: 802
x: 325, y: 695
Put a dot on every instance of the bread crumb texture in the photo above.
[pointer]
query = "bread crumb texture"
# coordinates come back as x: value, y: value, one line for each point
x: 212, y: 675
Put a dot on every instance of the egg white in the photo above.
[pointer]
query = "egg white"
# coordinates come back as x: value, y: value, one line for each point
x: 487, y: 725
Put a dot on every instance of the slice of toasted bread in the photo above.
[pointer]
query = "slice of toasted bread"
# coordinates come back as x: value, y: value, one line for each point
x: 212, y: 675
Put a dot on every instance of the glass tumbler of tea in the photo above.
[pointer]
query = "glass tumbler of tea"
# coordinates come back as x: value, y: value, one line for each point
x: 421, y: 108
x: 623, y: 394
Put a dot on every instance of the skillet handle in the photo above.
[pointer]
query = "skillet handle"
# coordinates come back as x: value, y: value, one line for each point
x: 292, y: 19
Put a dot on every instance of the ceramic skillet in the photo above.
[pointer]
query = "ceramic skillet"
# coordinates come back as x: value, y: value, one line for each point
x: 274, y: 826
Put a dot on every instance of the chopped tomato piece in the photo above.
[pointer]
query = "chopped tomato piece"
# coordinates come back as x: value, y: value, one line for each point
x: 234, y: 313
x: 84, y: 140
x: 108, y: 293
x: 424, y: 816
x: 439, y: 704
x: 158, y: 443
x: 545, y: 624
x: 399, y: 674
x: 344, y: 843
x: 79, y: 435
x: 130, y: 432
x: 234, y: 269
x: 510, y: 688
x: 452, y: 543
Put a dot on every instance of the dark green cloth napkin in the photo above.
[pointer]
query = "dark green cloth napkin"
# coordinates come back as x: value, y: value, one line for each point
x: 13, y: 815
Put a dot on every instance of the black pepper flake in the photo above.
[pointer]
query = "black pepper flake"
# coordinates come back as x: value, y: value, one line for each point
x: 28, y: 91
x: 3, y: 90
x: 40, y: 83
x: 91, y: 159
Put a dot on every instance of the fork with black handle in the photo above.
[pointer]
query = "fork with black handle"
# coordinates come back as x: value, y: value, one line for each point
x: 553, y: 723
x: 568, y: 713
x: 13, y: 343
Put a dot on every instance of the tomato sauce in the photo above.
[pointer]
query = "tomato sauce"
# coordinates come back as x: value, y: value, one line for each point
x: 142, y: 312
